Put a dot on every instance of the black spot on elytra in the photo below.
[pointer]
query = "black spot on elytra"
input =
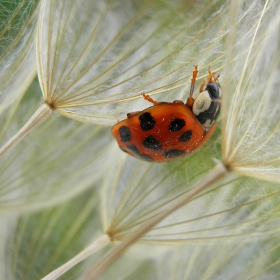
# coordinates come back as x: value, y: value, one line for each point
x: 151, y: 143
x: 173, y: 153
x: 177, y: 124
x: 147, y: 122
x: 133, y: 149
x: 125, y: 133
x: 186, y: 136
x: 210, y: 114
x: 137, y: 153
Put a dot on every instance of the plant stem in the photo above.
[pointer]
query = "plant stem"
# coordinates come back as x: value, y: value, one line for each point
x: 218, y: 172
x: 92, y: 248
x: 42, y: 114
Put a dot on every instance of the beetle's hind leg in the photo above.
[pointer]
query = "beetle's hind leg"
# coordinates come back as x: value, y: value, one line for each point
x: 148, y: 98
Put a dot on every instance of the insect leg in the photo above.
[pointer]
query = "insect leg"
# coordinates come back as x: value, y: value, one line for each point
x: 148, y: 98
x: 190, y: 100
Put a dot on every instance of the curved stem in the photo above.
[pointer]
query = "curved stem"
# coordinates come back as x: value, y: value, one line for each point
x: 92, y: 248
x: 42, y: 114
x: 218, y: 172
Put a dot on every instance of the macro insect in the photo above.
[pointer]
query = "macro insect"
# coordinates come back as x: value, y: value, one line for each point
x: 167, y: 131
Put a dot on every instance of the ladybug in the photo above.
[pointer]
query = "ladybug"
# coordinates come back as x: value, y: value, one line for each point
x: 167, y: 131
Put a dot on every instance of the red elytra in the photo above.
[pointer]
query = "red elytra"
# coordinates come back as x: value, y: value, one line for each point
x: 167, y: 131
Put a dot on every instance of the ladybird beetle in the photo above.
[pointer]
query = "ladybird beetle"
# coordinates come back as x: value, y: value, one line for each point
x: 167, y: 131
